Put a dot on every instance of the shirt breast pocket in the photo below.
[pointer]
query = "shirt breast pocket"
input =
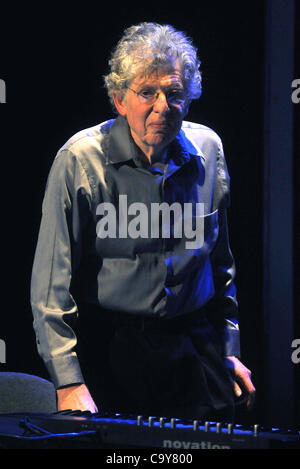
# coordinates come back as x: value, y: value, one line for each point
x: 191, y: 251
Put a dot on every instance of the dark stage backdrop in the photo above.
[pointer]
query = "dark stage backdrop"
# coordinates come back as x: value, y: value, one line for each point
x: 297, y: 208
x: 52, y: 63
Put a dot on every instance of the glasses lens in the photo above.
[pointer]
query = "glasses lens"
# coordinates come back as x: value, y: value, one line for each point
x: 176, y: 97
x: 147, y: 96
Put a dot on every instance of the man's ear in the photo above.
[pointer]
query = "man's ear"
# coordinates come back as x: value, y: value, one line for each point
x: 119, y: 103
x: 186, y: 108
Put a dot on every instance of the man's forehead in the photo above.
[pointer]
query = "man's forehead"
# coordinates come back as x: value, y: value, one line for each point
x: 163, y: 76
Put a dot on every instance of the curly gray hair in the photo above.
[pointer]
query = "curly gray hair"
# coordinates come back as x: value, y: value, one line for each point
x: 144, y: 48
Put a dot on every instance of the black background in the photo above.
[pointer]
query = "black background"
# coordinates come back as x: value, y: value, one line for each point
x: 53, y: 63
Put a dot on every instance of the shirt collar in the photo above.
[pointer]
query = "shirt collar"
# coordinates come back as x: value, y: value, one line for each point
x: 122, y: 149
x: 121, y: 146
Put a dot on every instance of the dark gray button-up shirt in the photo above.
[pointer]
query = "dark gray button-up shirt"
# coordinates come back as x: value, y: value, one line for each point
x: 136, y: 239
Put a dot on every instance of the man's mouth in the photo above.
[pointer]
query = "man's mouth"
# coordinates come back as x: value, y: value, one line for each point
x: 159, y: 125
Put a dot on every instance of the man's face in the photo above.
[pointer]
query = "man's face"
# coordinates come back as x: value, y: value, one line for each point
x: 154, y: 122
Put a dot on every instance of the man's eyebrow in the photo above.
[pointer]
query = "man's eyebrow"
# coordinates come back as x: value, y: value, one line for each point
x: 171, y: 86
x: 177, y: 86
x: 147, y: 86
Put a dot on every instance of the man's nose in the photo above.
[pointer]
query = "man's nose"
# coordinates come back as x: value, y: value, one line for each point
x: 161, y: 104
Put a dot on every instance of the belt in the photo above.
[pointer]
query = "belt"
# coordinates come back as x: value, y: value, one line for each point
x: 146, y: 322
x: 118, y: 318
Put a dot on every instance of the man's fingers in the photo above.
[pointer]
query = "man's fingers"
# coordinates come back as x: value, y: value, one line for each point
x: 243, y: 386
x: 76, y: 398
x: 246, y: 388
x: 237, y: 389
x: 239, y: 394
x: 251, y: 395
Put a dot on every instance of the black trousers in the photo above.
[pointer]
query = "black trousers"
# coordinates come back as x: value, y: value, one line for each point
x: 158, y: 367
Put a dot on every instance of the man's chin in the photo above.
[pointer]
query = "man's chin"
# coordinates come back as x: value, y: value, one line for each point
x: 160, y: 137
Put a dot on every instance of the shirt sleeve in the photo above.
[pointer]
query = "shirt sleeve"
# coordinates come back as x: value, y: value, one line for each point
x: 224, y: 305
x: 65, y: 205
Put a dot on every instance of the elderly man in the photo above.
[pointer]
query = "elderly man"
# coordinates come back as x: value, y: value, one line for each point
x: 133, y: 291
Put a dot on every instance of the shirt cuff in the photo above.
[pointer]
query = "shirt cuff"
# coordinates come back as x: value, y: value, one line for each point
x: 65, y: 370
x: 232, y: 340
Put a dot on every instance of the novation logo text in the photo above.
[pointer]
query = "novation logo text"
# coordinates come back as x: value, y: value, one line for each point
x: 177, y: 444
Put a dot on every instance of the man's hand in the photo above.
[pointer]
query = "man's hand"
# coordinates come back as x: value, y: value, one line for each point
x: 75, y: 397
x: 243, y: 386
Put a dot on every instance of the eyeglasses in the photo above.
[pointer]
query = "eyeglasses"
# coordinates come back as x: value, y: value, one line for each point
x: 175, y: 96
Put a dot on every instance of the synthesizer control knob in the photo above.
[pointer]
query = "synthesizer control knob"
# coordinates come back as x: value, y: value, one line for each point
x: 173, y: 423
x: 206, y: 426
x: 139, y: 420
x: 150, y: 421
x: 230, y: 428
x: 161, y: 422
x: 255, y: 429
x: 195, y: 425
